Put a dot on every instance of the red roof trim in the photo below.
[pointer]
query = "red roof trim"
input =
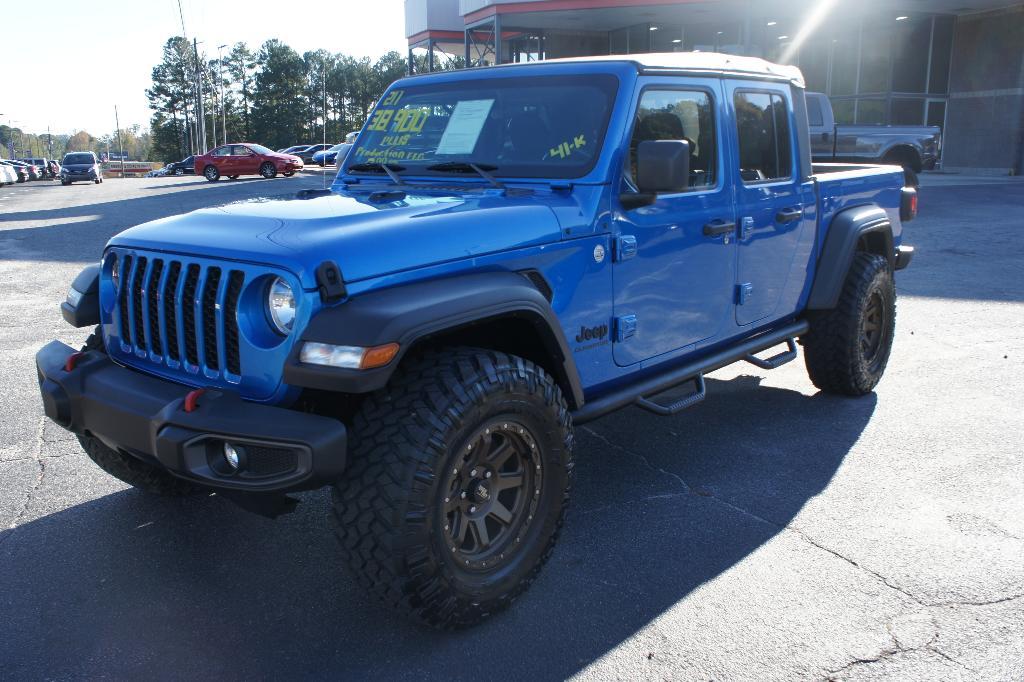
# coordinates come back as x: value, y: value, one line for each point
x: 424, y: 35
x: 560, y: 5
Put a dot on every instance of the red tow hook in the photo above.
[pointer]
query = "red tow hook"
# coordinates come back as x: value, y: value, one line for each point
x: 72, y: 360
x: 192, y: 399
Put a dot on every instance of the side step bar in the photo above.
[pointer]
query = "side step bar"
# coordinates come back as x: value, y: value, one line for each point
x: 638, y: 392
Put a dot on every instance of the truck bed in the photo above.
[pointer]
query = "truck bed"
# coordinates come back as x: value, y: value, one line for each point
x: 848, y: 185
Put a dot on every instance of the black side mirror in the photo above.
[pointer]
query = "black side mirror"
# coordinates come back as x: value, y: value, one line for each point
x: 662, y: 167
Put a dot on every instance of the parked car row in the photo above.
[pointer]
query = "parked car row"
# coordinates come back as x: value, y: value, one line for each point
x: 8, y: 176
x: 25, y: 170
x: 321, y: 154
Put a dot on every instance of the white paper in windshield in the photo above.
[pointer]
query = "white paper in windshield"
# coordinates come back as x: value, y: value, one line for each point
x: 463, y: 129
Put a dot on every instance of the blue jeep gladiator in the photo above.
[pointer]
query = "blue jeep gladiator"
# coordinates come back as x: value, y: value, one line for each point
x: 505, y: 253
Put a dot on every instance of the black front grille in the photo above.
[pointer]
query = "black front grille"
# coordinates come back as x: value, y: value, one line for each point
x: 153, y: 307
x: 235, y: 281
x: 179, y: 312
x: 170, y: 294
x: 137, y: 326
x: 188, y: 313
x: 210, y: 317
x: 124, y: 273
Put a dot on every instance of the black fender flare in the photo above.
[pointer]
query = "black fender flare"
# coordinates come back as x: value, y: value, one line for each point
x: 410, y: 313
x: 844, y: 233
x: 86, y: 311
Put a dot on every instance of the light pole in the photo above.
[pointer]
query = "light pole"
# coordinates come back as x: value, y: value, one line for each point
x: 223, y: 102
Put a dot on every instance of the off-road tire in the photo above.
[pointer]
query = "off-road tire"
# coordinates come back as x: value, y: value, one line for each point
x: 126, y: 468
x: 839, y: 351
x: 406, y: 447
x: 268, y: 170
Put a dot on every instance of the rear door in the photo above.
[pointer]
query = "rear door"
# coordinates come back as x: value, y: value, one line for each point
x: 221, y: 157
x: 674, y: 261
x: 770, y: 198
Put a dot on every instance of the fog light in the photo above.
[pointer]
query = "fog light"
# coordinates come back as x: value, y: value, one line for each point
x: 231, y: 456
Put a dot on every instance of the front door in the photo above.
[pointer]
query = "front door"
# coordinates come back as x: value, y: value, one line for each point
x: 770, y: 199
x: 675, y: 259
x: 245, y: 160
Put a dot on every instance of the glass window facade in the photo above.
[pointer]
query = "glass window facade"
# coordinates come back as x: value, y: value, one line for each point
x: 881, y: 67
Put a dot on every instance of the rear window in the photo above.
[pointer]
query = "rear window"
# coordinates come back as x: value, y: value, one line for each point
x: 79, y: 158
x: 814, y: 112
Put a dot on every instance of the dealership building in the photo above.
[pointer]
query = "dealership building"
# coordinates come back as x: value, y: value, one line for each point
x: 957, y: 64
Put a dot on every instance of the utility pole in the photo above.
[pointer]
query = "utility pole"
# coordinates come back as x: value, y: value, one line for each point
x: 213, y: 110
x: 223, y: 102
x: 120, y: 147
x: 199, y: 90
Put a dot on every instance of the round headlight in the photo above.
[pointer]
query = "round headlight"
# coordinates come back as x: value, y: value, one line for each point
x: 115, y: 272
x: 281, y: 305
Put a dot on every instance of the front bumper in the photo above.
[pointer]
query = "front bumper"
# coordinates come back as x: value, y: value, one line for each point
x: 281, y: 450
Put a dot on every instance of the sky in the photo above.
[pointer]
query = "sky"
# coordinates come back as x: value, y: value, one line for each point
x: 85, y: 57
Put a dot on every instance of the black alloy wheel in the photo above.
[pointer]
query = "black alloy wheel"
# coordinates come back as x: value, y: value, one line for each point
x: 492, y: 493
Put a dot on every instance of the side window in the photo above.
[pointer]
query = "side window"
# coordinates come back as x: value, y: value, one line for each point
x: 239, y: 150
x: 814, y: 116
x: 762, y: 124
x: 221, y: 151
x: 679, y: 115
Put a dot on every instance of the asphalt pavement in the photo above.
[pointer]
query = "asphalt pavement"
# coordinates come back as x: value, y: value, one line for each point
x: 771, y: 532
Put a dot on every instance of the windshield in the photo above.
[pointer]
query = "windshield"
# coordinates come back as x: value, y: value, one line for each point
x: 260, y: 149
x: 78, y: 158
x: 545, y: 127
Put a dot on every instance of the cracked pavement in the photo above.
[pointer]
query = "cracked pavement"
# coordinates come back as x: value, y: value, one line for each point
x: 767, y: 533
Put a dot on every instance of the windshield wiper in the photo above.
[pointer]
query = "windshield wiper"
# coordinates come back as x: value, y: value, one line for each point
x: 463, y: 166
x: 390, y: 168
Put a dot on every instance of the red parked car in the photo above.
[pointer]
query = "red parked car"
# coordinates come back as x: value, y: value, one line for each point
x: 232, y: 160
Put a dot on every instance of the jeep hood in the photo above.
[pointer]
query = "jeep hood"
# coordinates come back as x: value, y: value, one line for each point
x: 365, y: 238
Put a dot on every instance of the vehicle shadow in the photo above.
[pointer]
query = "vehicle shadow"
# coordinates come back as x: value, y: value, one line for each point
x: 204, y: 182
x: 130, y: 585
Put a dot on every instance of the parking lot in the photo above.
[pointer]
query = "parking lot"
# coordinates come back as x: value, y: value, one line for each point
x: 771, y: 532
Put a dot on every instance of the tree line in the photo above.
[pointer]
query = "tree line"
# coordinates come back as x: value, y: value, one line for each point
x: 135, y: 140
x: 273, y: 96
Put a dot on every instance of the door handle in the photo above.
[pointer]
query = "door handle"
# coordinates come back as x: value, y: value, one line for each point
x: 718, y: 227
x: 788, y: 215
